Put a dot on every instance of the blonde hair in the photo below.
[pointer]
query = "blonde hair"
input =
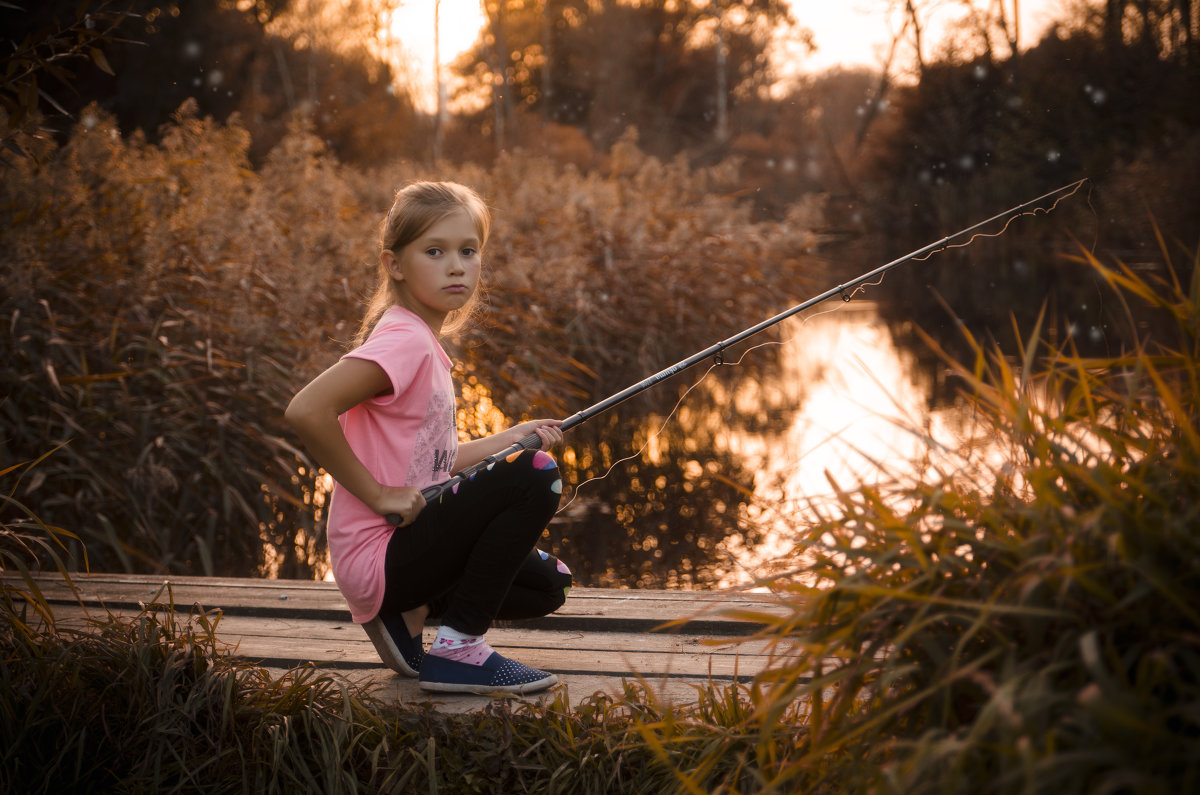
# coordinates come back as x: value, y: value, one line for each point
x: 418, y: 206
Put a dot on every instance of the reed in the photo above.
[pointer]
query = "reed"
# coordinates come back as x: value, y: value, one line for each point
x: 160, y: 304
x: 1021, y: 620
x: 1023, y: 627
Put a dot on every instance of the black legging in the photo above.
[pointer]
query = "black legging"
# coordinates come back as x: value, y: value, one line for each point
x: 470, y: 556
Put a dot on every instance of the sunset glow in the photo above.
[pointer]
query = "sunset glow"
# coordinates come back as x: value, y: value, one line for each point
x: 459, y: 24
x: 851, y: 33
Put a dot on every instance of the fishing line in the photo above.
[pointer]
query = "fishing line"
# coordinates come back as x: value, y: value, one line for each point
x: 1075, y: 186
x: 716, y: 352
x: 846, y: 298
x: 688, y: 391
x: 784, y: 511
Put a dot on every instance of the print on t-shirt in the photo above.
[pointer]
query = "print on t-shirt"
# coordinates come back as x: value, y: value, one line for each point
x: 429, y: 460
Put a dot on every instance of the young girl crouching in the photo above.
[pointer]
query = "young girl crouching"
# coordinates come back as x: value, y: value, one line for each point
x: 381, y: 421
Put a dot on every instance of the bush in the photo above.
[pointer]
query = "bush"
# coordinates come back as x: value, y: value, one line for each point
x: 161, y: 303
x: 1023, y: 622
x: 150, y: 334
x: 1024, y: 619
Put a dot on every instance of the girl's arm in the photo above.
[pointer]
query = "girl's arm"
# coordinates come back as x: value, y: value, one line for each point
x: 313, y: 413
x: 474, y: 451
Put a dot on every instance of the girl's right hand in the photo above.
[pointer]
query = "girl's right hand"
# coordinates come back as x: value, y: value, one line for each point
x: 403, y: 501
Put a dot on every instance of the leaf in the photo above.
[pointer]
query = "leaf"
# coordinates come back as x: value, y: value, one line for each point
x: 101, y: 61
x: 54, y: 103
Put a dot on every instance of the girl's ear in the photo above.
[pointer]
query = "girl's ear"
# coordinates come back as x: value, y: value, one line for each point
x: 391, y: 264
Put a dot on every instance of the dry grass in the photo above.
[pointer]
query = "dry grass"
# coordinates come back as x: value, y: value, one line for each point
x: 1037, y: 634
x: 1028, y: 626
x: 162, y: 302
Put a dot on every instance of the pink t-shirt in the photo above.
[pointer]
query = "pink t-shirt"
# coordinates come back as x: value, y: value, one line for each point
x: 404, y: 438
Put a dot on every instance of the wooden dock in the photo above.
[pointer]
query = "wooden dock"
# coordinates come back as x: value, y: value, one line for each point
x: 671, y: 641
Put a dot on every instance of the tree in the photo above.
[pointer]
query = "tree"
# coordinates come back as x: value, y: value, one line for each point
x: 969, y: 139
x: 607, y: 65
x: 41, y: 45
x: 265, y: 61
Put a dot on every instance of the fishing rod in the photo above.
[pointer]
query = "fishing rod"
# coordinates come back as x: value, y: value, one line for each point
x: 532, y: 441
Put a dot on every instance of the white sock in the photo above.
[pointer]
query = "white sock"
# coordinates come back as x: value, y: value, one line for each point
x: 459, y: 646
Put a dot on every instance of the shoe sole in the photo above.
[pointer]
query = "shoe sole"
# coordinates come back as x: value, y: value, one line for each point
x: 483, y: 690
x: 388, y: 652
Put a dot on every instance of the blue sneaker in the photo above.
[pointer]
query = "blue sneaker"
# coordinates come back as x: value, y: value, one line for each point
x: 399, y: 651
x: 496, y: 675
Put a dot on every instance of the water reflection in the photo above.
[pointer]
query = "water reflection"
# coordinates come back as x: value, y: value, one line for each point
x: 748, y: 460
x: 861, y: 416
x: 714, y: 496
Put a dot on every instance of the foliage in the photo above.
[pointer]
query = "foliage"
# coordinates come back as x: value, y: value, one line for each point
x: 233, y: 59
x: 982, y: 133
x: 163, y: 301
x: 155, y: 305
x: 47, y: 54
x: 26, y: 541
x: 675, y: 71
x: 178, y: 713
x: 1023, y: 622
x: 1028, y: 626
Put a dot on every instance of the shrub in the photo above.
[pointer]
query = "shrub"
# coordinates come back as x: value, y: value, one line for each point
x: 1022, y: 626
x: 152, y: 318
x: 161, y: 303
x: 1023, y: 622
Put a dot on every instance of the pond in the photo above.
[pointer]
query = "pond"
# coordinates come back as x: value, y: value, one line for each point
x: 844, y: 405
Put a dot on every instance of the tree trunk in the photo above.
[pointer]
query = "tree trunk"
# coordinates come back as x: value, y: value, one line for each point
x: 722, y: 86
x: 501, y: 101
x: 439, y: 118
x: 1114, y: 21
x: 547, y: 62
x: 916, y: 26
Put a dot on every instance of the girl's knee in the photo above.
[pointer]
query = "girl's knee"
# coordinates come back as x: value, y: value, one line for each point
x: 556, y: 571
x: 544, y: 462
x: 544, y: 572
x: 546, y: 472
x: 558, y: 581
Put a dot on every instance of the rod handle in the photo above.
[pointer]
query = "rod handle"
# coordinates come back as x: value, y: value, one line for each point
x: 431, y: 493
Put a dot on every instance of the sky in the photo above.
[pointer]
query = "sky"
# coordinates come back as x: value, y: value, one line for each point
x: 857, y: 32
x: 846, y: 32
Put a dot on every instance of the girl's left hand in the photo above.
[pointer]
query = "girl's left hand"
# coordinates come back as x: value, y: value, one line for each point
x: 547, y: 430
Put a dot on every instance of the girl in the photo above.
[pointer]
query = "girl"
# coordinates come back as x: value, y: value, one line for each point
x: 381, y: 421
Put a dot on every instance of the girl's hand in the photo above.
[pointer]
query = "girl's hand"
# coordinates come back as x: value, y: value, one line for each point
x: 404, y: 501
x: 549, y: 433
x: 547, y: 430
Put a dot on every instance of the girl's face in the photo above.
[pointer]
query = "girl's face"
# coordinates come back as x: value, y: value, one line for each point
x: 439, y: 271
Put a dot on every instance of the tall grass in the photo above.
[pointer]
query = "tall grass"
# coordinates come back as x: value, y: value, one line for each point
x: 154, y: 702
x: 159, y: 304
x: 1024, y: 627
x: 1030, y: 626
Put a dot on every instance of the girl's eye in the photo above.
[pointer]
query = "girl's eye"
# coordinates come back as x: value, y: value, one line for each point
x: 432, y: 252
x: 468, y: 252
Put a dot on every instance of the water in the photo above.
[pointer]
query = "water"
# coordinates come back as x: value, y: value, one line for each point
x: 846, y: 406
x: 714, y: 496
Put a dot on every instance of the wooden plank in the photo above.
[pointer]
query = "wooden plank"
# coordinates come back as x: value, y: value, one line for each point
x: 672, y: 668
x: 576, y: 687
x: 600, y: 640
x: 552, y: 651
x: 286, y: 643
x: 587, y: 609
